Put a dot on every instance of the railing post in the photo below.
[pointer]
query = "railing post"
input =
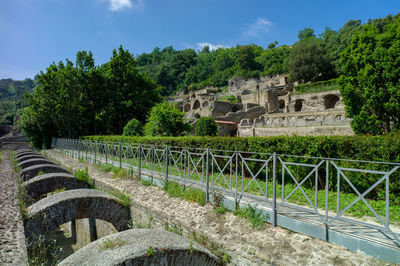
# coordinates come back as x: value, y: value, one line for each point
x: 326, y: 201
x: 166, y: 163
x: 95, y: 151
x: 86, y: 150
x: 106, y: 150
x: 207, y: 176
x: 120, y: 155
x: 140, y: 161
x: 274, y: 218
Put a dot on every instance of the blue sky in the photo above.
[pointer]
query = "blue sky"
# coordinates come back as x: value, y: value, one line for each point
x: 35, y: 33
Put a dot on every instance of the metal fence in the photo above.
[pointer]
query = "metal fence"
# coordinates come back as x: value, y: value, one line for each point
x: 327, y: 189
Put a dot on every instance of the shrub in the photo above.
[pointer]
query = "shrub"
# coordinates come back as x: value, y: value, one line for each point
x: 166, y: 120
x: 206, y: 126
x: 133, y: 128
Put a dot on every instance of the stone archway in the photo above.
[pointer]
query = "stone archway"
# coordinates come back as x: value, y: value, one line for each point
x: 35, y: 161
x: 49, y: 213
x: 330, y: 101
x: 34, y: 170
x: 281, y: 105
x: 168, y: 249
x: 196, y: 105
x: 298, y: 105
x: 187, y: 108
x: 43, y: 184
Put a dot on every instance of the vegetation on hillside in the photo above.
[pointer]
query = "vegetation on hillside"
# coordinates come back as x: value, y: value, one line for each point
x: 12, y: 98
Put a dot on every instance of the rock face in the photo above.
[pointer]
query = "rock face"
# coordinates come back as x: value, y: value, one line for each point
x: 142, y: 247
x: 49, y: 213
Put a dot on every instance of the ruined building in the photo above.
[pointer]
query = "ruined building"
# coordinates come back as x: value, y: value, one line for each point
x: 267, y: 106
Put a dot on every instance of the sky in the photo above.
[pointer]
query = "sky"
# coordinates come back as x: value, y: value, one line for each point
x: 36, y: 33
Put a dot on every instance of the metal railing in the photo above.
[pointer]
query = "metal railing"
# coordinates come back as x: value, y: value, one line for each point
x: 325, y: 188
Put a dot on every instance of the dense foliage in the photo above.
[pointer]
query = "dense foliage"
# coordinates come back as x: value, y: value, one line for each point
x: 72, y: 100
x: 12, y: 98
x: 133, y: 128
x: 206, y: 126
x: 371, y: 77
x: 166, y: 120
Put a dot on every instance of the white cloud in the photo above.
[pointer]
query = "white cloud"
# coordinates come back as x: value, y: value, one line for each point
x: 118, y: 5
x: 261, y: 26
x: 200, y: 46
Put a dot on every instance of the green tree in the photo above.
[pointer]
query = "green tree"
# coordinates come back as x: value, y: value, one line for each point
x: 206, y: 126
x: 275, y: 60
x: 133, y: 128
x: 370, y: 82
x: 306, y: 33
x: 166, y: 120
x: 309, y: 61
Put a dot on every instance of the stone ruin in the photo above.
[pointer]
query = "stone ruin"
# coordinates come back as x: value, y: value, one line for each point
x: 267, y: 106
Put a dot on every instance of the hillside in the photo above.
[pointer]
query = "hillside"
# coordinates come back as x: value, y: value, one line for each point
x: 12, y: 98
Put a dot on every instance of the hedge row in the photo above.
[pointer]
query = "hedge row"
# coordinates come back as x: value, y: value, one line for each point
x: 371, y: 148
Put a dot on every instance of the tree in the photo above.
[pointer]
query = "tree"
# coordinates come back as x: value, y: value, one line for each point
x: 370, y: 82
x: 275, y: 60
x: 133, y: 128
x: 166, y: 120
x: 309, y: 61
x: 206, y: 126
x: 306, y: 33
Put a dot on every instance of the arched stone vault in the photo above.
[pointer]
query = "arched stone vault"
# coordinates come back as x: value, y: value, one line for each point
x: 43, y: 184
x: 131, y: 248
x: 49, y: 213
x: 35, y: 161
x: 33, y: 171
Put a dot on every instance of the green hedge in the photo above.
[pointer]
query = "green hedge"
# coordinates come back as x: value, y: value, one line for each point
x: 318, y: 86
x: 372, y: 148
x: 368, y: 148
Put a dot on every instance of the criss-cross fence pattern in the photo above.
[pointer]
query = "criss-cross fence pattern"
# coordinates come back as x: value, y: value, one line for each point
x: 324, y: 188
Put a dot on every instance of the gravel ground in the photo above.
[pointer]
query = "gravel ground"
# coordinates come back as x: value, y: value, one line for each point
x: 12, y: 238
x: 247, y: 246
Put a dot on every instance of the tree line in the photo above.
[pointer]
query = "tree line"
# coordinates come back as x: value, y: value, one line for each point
x: 71, y: 100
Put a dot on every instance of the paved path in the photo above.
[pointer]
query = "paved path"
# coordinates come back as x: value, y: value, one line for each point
x: 12, y: 240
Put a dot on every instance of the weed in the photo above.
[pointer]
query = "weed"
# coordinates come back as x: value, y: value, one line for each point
x: 191, y: 194
x: 174, y: 228
x: 42, y: 251
x: 145, y: 182
x: 111, y: 244
x: 58, y: 190
x: 83, y: 175
x: 14, y: 163
x: 150, y: 251
x: 255, y: 217
x: 81, y: 160
x: 125, y: 200
x: 121, y: 173
x: 225, y: 258
x: 191, y: 247
x: 41, y: 173
x: 221, y: 210
x: 213, y: 247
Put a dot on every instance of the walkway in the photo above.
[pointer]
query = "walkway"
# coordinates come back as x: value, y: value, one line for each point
x: 12, y: 239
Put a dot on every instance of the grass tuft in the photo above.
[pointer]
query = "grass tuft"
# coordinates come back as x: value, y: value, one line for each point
x: 256, y: 218
x: 111, y: 244
x: 125, y: 200
x: 191, y: 194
